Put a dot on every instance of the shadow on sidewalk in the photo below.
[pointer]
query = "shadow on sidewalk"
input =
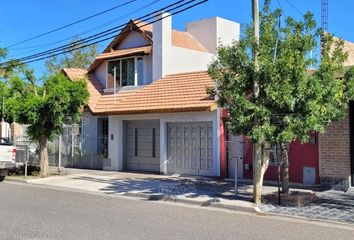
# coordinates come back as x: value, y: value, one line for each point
x: 172, y: 186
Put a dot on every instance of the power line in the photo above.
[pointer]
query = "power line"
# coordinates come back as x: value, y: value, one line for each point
x: 106, y: 32
x: 93, y: 43
x: 37, y: 47
x: 293, y: 6
x: 71, y: 24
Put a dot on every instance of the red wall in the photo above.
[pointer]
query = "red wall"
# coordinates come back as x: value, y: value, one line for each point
x: 222, y: 137
x: 300, y: 155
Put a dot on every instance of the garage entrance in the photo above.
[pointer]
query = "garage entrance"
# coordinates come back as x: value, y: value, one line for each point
x: 190, y: 148
x: 142, y: 145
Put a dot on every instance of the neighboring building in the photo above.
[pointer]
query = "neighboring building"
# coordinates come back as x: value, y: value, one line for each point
x: 336, y: 146
x: 160, y: 119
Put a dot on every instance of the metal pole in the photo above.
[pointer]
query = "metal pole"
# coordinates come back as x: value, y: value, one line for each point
x: 236, y: 176
x: 60, y: 143
x: 114, y: 83
x: 279, y: 194
x: 26, y: 160
x: 25, y: 169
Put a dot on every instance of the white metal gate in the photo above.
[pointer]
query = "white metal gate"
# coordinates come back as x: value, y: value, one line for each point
x: 190, y: 148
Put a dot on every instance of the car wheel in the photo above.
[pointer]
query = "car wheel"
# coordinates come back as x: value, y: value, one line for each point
x: 2, y: 178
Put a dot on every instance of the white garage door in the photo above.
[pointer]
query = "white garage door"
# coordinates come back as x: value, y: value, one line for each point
x: 142, y: 145
x: 190, y: 148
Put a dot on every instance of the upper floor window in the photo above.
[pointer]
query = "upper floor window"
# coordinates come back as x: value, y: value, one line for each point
x: 126, y: 71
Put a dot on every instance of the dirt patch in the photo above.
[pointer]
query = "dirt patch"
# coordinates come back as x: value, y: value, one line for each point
x: 293, y: 199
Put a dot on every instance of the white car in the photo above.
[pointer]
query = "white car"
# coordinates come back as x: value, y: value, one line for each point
x: 7, y: 157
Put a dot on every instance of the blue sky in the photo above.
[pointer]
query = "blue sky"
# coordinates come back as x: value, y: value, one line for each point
x: 22, y: 19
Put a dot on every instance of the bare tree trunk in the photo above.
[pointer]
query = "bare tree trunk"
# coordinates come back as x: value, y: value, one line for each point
x: 260, y: 165
x: 284, y: 169
x: 43, y: 156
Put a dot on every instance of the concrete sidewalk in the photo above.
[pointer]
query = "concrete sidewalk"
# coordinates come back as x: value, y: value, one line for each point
x: 199, y: 191
x: 192, y: 190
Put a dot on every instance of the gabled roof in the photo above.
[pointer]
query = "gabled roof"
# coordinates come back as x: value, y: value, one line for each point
x: 179, y: 39
x: 184, y: 92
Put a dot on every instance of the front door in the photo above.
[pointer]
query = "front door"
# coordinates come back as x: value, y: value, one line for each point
x: 142, y: 145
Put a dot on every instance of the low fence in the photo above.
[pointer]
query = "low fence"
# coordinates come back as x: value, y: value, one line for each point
x: 71, y: 149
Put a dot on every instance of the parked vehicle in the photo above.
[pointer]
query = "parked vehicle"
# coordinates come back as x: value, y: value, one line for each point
x: 7, y: 157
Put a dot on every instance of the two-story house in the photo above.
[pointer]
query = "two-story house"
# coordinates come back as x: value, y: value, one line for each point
x: 148, y: 95
x: 149, y: 107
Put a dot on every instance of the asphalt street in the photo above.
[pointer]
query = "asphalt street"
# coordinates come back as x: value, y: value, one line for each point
x: 42, y: 213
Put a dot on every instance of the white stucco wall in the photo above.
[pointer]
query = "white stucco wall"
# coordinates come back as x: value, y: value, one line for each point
x: 100, y: 73
x: 168, y: 59
x: 162, y: 41
x: 179, y: 60
x: 134, y: 39
x: 212, y: 32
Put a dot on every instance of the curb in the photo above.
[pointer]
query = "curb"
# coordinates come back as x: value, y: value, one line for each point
x: 10, y: 179
x: 209, y: 203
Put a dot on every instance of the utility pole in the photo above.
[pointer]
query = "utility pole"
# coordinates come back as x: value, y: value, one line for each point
x: 257, y: 147
x: 255, y: 15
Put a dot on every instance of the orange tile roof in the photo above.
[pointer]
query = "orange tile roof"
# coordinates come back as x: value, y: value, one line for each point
x: 182, y: 92
x: 74, y: 73
x: 94, y: 86
x: 124, y: 52
x: 185, y: 40
x: 174, y: 93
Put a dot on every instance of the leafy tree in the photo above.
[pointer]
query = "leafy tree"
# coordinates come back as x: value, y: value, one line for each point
x: 46, y: 108
x: 79, y: 58
x: 292, y: 103
x: 9, y: 71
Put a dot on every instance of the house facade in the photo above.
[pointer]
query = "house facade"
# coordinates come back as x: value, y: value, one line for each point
x: 148, y: 98
x: 149, y: 111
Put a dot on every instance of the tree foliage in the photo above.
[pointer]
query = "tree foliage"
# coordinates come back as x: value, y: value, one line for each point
x: 293, y: 101
x: 10, y: 74
x: 79, y: 58
x: 47, y: 108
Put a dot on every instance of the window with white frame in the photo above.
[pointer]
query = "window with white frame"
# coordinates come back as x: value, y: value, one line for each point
x: 126, y: 71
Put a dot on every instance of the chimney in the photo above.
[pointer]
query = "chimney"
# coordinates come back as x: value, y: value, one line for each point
x: 162, y: 41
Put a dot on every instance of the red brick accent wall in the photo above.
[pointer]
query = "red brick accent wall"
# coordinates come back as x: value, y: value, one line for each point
x: 334, y: 151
